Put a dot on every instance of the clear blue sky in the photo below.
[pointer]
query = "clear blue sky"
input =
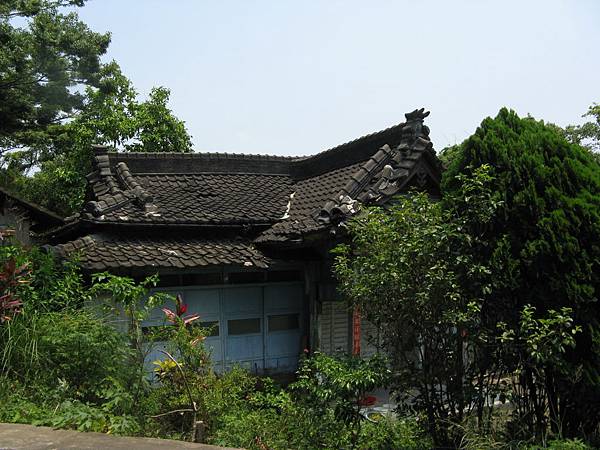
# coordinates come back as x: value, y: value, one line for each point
x: 296, y: 77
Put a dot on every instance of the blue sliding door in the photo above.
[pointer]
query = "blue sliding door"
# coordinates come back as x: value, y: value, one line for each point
x: 258, y: 327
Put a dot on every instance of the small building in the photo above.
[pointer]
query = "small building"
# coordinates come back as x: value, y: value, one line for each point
x: 246, y: 239
x: 22, y: 220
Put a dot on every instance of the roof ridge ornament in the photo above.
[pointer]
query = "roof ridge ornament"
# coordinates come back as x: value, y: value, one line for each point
x: 417, y: 115
x: 388, y: 176
x: 414, y: 128
x: 131, y: 185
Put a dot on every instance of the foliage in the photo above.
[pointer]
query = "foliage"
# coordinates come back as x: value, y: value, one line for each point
x: 448, y: 154
x: 74, y: 349
x: 186, y: 377
x: 65, y: 358
x: 544, y: 339
x: 567, y: 444
x: 168, y: 404
x: 473, y: 288
x: 225, y: 393
x: 317, y: 411
x: 125, y: 298
x: 389, y: 433
x: 414, y: 270
x: 45, y: 53
x: 70, y: 367
x: 268, y: 429
x: 59, y: 185
x: 111, y: 114
x: 541, y: 344
x: 16, y: 404
x: 248, y: 412
x: 255, y: 429
x: 57, y: 99
x: 549, y: 220
x: 48, y: 407
x: 156, y: 128
x: 68, y: 370
x: 339, y: 384
x: 50, y: 285
x: 84, y: 417
x: 587, y: 134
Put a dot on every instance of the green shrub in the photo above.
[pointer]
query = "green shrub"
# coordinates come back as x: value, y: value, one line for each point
x: 40, y: 405
x: 66, y: 366
x: 85, y: 417
x: 337, y: 384
x: 215, y: 397
x: 16, y: 407
x: 320, y: 410
x: 567, y: 444
x: 230, y: 390
x: 252, y: 430
x: 288, y: 426
x: 72, y: 349
x: 51, y: 285
x: 292, y: 427
x: 391, y: 433
x: 68, y: 370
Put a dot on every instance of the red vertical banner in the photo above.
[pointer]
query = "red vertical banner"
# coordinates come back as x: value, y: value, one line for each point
x: 356, y: 331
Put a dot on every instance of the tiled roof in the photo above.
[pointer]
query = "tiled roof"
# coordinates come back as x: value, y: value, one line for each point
x: 330, y: 197
x: 43, y: 215
x: 352, y: 152
x: 98, y: 252
x: 217, y: 188
x: 167, y: 188
x: 281, y: 199
x: 207, y: 199
x: 309, y: 196
x: 179, y: 163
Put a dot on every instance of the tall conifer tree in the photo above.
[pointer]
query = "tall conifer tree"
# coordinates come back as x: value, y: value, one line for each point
x: 550, y: 219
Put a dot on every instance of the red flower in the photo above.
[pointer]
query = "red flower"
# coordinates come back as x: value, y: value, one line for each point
x: 180, y: 310
x: 181, y: 307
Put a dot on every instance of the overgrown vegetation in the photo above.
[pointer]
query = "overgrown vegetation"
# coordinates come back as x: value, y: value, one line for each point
x: 549, y: 224
x: 490, y: 296
x: 66, y: 364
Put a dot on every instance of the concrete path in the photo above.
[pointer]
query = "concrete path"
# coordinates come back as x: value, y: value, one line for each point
x: 27, y: 437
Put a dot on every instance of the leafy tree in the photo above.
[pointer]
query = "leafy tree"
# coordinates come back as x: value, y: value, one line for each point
x: 540, y: 344
x: 447, y: 154
x: 342, y: 383
x: 414, y: 270
x: 57, y: 99
x: 549, y: 225
x: 44, y: 55
x: 587, y: 134
x: 111, y: 115
x: 157, y: 129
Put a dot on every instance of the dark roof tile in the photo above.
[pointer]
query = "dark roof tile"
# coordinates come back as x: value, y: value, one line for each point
x: 103, y: 252
x: 293, y: 196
